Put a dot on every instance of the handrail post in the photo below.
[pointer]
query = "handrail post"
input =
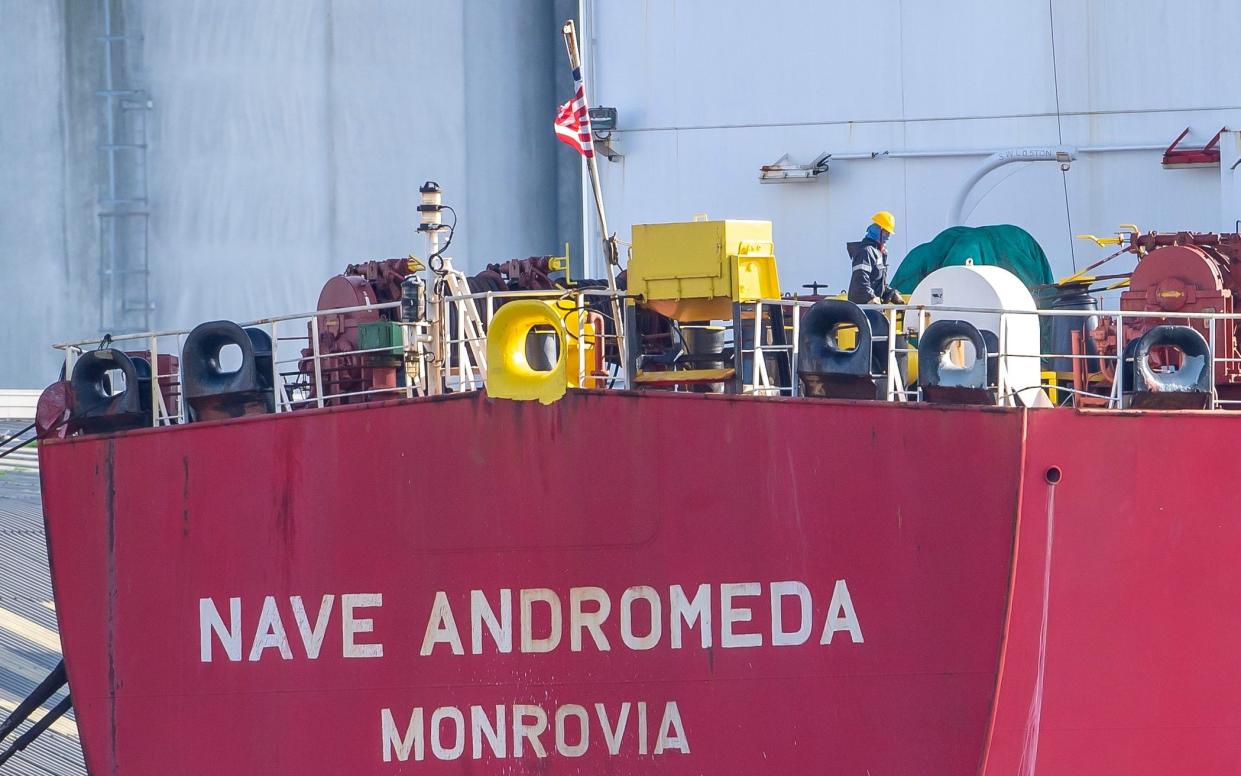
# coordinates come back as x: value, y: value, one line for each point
x: 156, y: 400
x: 1118, y: 384
x: 622, y: 332
x: 580, y: 306
x: 738, y: 381
x: 923, y: 318
x: 183, y: 411
x: 277, y: 390
x: 433, y: 363
x: 405, y: 372
x: 893, y: 367
x: 795, y: 353
x: 630, y: 357
x: 314, y: 345
x: 758, y: 365
x: 465, y: 372
x: 1001, y: 378
x: 1214, y: 382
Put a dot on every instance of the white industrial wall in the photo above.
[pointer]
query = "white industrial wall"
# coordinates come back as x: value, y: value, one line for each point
x: 287, y: 139
x: 41, y: 291
x: 710, y: 90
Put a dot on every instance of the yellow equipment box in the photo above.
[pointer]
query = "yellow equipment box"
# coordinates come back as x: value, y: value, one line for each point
x: 694, y: 271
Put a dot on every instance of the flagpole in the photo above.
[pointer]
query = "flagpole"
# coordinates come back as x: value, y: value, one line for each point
x: 592, y: 167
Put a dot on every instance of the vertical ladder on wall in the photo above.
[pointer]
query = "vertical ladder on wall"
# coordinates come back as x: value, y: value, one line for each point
x: 124, y: 212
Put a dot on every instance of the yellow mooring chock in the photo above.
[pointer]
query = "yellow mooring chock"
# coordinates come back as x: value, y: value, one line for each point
x: 509, y: 373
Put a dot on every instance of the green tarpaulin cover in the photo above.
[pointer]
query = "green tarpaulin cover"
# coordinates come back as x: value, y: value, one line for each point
x: 1002, y: 245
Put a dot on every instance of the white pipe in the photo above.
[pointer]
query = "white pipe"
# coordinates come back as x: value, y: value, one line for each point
x: 1116, y: 148
x: 951, y: 152
x: 1062, y: 154
x: 912, y: 154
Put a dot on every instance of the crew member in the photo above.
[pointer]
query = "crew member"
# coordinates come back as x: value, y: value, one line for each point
x: 869, y: 282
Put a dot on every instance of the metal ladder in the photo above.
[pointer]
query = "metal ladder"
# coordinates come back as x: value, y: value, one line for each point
x: 124, y: 212
x: 470, y: 330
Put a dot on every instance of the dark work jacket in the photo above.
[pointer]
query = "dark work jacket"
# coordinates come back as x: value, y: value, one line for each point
x: 870, y: 273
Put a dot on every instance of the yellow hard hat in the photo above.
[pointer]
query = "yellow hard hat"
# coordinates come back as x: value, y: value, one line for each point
x: 885, y: 220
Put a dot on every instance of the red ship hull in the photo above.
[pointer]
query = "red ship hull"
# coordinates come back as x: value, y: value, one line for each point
x: 979, y: 618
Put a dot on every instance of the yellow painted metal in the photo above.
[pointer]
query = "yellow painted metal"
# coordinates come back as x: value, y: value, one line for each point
x: 846, y: 337
x: 509, y: 374
x: 685, y: 376
x: 695, y: 271
x: 1119, y: 239
x: 1100, y: 241
x: 568, y: 312
x: 561, y: 263
x: 1050, y: 384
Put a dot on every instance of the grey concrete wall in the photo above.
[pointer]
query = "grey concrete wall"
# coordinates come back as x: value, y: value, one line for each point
x: 505, y: 110
x: 287, y: 139
x: 568, y: 165
x: 48, y: 248
x: 291, y: 138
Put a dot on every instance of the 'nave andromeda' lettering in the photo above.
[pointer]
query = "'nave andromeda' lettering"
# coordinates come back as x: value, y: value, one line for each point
x: 539, y: 620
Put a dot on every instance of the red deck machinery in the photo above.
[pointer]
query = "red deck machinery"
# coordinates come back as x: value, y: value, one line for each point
x: 1177, y: 273
x: 360, y: 350
x: 345, y: 373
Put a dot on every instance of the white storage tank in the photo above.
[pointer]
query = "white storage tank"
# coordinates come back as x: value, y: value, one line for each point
x: 998, y: 302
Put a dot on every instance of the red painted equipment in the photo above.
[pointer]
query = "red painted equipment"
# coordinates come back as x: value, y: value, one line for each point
x: 342, y: 370
x: 53, y: 411
x: 1180, y: 272
x: 1175, y: 158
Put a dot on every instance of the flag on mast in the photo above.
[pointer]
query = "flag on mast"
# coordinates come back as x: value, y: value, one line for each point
x: 573, y: 120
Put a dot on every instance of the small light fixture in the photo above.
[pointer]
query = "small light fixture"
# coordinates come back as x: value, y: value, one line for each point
x: 602, y: 124
x: 603, y: 119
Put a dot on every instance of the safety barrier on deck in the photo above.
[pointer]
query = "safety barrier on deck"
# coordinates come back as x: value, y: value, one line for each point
x: 447, y: 353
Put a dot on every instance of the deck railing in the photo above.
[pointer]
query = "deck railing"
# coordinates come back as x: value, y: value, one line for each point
x: 758, y: 380
x: 443, y: 354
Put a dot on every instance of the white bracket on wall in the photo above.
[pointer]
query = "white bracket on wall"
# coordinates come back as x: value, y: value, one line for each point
x: 785, y: 170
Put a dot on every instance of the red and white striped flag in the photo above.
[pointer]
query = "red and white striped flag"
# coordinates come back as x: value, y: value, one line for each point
x: 573, y: 120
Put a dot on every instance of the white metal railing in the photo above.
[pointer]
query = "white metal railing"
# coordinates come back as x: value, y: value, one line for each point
x: 443, y: 353
x: 293, y: 386
x: 438, y: 354
x: 757, y: 372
